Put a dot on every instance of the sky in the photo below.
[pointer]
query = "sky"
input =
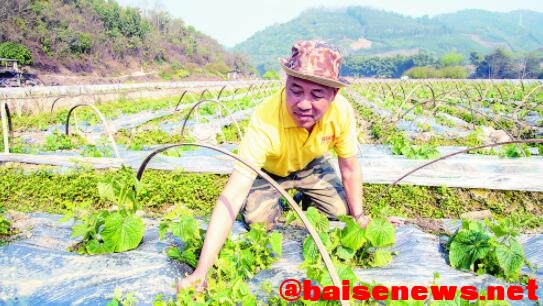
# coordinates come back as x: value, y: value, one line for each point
x: 233, y: 21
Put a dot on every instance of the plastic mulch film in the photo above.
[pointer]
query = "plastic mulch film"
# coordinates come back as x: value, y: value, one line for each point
x: 37, y: 269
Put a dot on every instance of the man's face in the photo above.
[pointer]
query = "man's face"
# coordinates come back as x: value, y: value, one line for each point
x: 307, y: 101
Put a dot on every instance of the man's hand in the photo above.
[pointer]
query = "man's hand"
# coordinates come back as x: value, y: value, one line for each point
x: 396, y: 220
x: 363, y: 221
x: 195, y: 280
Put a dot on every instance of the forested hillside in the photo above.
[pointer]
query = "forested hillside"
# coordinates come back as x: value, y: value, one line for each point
x: 101, y: 37
x: 365, y: 31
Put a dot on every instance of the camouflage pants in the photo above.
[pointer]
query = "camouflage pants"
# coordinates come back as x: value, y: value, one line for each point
x: 318, y: 184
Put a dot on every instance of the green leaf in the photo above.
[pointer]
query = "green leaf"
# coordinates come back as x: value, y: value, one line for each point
x: 290, y: 217
x: 510, y: 258
x: 113, y: 302
x: 276, y: 240
x: 315, y: 272
x: 186, y: 229
x: 163, y: 229
x: 318, y: 220
x: 125, y: 232
x: 476, y: 226
x: 346, y: 273
x: 325, y: 239
x: 96, y: 247
x: 380, y: 232
x: 80, y: 230
x: 106, y: 191
x: 187, y: 256
x: 498, y: 229
x: 505, y: 227
x: 309, y: 250
x: 240, y: 288
x: 381, y: 258
x: 249, y: 300
x: 467, y: 247
x: 334, y: 237
x: 345, y: 253
x: 352, y: 235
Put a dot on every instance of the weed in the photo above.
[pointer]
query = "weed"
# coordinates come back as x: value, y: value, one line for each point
x: 5, y: 227
x: 58, y: 141
x: 119, y: 300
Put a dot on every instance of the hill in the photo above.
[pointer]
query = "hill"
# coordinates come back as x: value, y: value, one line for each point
x: 101, y: 38
x: 361, y: 30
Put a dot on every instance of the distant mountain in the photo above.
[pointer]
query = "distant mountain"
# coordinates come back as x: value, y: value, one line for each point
x: 361, y: 30
x: 102, y: 38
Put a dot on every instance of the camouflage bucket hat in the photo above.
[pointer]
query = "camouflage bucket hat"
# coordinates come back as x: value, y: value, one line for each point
x: 316, y: 61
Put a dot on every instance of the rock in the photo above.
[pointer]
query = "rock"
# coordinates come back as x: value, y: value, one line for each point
x: 206, y: 132
x: 490, y: 135
x: 477, y: 215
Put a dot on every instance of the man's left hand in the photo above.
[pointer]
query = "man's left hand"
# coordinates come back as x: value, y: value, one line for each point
x: 363, y: 221
x: 396, y: 220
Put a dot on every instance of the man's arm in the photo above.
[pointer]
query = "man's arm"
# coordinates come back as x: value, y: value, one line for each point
x: 223, y: 216
x: 352, y: 183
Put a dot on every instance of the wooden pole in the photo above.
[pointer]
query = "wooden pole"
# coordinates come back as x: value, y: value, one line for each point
x: 4, y: 126
x: 16, y: 68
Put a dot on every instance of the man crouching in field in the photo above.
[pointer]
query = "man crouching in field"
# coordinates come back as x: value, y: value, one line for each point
x: 287, y: 137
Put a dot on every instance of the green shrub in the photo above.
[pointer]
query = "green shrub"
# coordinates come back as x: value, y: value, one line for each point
x: 453, y: 72
x: 16, y: 51
x: 81, y: 43
x: 421, y: 73
x: 449, y: 72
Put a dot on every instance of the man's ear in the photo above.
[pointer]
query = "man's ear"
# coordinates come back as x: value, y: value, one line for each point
x: 334, y: 92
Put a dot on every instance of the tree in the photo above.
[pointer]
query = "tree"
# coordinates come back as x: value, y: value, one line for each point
x: 494, y: 66
x: 16, y: 51
x: 451, y: 59
x: 271, y: 75
x: 424, y: 59
x: 475, y: 58
x: 242, y: 64
x: 385, y: 67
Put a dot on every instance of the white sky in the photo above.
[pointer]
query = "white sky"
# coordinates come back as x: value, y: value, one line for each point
x: 232, y: 21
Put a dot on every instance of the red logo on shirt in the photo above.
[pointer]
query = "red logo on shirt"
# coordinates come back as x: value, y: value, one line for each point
x: 327, y: 138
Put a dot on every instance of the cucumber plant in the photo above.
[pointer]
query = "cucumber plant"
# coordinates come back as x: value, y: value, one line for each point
x: 349, y: 247
x: 109, y: 231
x: 490, y: 247
x: 238, y: 261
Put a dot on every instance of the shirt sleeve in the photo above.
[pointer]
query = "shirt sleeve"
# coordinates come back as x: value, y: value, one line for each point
x: 254, y: 148
x: 347, y: 140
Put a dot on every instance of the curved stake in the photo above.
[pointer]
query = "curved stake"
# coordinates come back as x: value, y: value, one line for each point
x: 104, y: 121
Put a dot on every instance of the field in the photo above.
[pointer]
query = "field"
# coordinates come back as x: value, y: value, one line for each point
x: 433, y: 152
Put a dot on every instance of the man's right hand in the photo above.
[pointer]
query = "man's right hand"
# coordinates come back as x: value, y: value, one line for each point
x: 196, y: 280
x: 363, y: 221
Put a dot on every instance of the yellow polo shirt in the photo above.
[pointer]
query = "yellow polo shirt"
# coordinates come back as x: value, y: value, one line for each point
x: 274, y: 142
